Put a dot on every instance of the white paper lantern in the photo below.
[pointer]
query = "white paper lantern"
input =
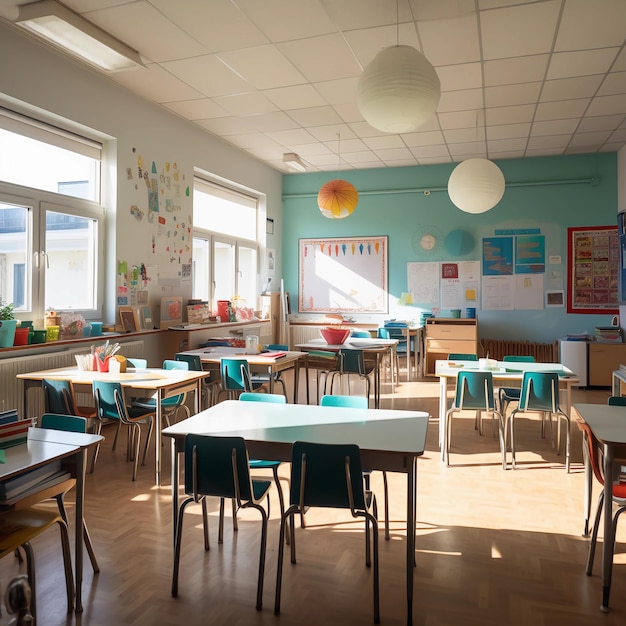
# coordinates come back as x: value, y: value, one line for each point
x: 399, y: 90
x: 476, y: 185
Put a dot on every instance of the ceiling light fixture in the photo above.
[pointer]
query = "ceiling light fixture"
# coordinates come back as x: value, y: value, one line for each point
x: 293, y: 161
x: 70, y: 32
x: 476, y: 185
x: 399, y: 90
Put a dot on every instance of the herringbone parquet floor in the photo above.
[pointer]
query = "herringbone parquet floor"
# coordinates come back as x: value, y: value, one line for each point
x: 493, y: 548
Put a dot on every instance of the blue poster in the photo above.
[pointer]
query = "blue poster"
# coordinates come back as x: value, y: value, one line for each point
x: 530, y: 254
x: 498, y: 256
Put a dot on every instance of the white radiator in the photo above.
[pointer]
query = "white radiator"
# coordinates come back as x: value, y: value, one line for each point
x: 11, y: 389
x: 303, y: 334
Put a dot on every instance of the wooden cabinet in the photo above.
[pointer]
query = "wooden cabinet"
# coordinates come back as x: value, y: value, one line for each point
x: 603, y: 358
x: 447, y: 335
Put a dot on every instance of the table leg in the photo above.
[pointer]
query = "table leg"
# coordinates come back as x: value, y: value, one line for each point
x: 411, y: 501
x: 607, y: 544
x: 175, y: 478
x: 157, y: 439
x: 79, y: 522
x: 443, y: 404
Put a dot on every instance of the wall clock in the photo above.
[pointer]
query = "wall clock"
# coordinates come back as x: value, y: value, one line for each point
x: 427, y: 240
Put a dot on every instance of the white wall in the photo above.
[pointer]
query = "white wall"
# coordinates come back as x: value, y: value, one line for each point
x: 36, y: 77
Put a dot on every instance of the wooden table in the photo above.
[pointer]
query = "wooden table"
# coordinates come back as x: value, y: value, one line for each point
x: 389, y: 441
x: 150, y: 381
x: 609, y: 427
x: 373, y: 347
x: 271, y: 364
x: 45, y: 446
x: 506, y: 372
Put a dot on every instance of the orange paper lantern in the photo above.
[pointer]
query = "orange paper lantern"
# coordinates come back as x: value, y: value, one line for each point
x: 337, y: 199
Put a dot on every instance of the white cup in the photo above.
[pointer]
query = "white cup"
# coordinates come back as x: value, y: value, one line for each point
x: 252, y: 344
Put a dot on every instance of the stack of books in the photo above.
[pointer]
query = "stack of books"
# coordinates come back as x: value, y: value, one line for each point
x: 608, y: 334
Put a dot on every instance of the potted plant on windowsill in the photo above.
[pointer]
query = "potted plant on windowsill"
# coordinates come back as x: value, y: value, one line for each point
x: 8, y: 323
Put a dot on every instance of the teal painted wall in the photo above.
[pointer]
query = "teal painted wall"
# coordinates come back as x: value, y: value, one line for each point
x: 384, y: 209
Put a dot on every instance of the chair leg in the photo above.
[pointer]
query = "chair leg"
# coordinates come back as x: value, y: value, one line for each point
x: 205, y: 524
x: 86, y: 537
x: 286, y: 518
x: 594, y: 535
x: 263, y: 549
x: 386, y: 505
x: 67, y: 564
x: 177, y: 546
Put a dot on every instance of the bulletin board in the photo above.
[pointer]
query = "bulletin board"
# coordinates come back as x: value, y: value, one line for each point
x: 593, y: 266
x: 344, y: 275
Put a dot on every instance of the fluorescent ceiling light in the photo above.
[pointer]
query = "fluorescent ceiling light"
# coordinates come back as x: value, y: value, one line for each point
x: 292, y: 160
x: 72, y: 33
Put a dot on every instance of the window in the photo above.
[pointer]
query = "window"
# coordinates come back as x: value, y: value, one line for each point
x: 225, y: 248
x: 51, y: 228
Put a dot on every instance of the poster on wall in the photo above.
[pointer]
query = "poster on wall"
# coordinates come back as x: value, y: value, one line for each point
x: 592, y: 269
x: 343, y: 275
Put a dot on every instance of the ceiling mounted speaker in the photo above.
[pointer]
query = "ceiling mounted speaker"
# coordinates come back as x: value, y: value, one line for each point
x: 399, y: 90
x: 476, y: 185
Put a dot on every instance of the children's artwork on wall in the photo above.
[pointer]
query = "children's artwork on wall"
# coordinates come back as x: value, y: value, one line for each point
x: 147, y: 321
x: 343, y: 275
x: 129, y: 319
x: 171, y: 311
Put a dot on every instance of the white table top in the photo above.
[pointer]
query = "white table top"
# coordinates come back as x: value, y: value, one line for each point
x: 214, y: 354
x: 352, y: 343
x: 504, y: 369
x: 402, y: 432
x: 607, y: 422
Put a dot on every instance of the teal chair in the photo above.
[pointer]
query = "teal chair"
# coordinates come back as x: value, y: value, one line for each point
x: 329, y: 475
x: 352, y: 362
x: 256, y: 464
x: 540, y: 394
x: 506, y: 395
x: 59, y: 398
x: 74, y: 424
x: 111, y: 405
x: 277, y: 378
x: 136, y: 363
x: 217, y: 466
x: 459, y: 356
x: 169, y: 406
x: 361, y: 334
x: 474, y: 392
x: 360, y: 402
x: 236, y: 378
x: 617, y: 400
x: 209, y: 386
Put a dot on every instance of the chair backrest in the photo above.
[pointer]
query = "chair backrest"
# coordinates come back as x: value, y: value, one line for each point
x: 617, y: 400
x: 193, y: 360
x: 519, y: 358
x: 278, y: 346
x: 217, y: 466
x: 215, y: 343
x: 69, y: 423
x: 592, y: 446
x: 350, y: 402
x: 137, y: 363
x: 235, y: 374
x: 109, y: 397
x: 474, y: 390
x: 327, y: 475
x: 169, y: 364
x: 540, y: 392
x: 459, y: 356
x: 58, y: 396
x: 363, y: 334
x: 352, y: 361
x: 275, y: 398
x: 383, y: 333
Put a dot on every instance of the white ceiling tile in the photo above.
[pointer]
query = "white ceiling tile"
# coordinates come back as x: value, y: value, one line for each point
x: 543, y: 153
x: 322, y: 58
x: 423, y: 139
x: 441, y: 9
x: 315, y: 116
x: 251, y: 103
x: 614, y: 83
x: 437, y: 35
x: 262, y: 66
x: 607, y: 105
x: 310, y: 149
x: 509, y: 115
x: 520, y: 30
x: 581, y: 63
x: 270, y: 122
x: 339, y: 91
x: 208, y: 75
x: 468, y: 99
x: 297, y: 97
x: 561, y: 110
x: 508, y: 131
x: 460, y: 119
x: 295, y: 136
x: 464, y: 135
x: 333, y: 132
x: 620, y: 62
x: 348, y: 112
x: 549, y: 141
x: 507, y: 95
x: 346, y: 145
x: 434, y: 160
x: 380, y: 143
x: 363, y: 129
x: 368, y: 42
x: 607, y: 122
x: 356, y: 158
x: 223, y: 126
x: 554, y: 127
x: 597, y: 24
x: 570, y: 88
x: 424, y: 152
x: 619, y: 136
x: 516, y: 70
x: 501, y: 145
x: 252, y: 140
x: 460, y: 150
x: 589, y: 139
x: 393, y: 154
x: 200, y: 109
x: 457, y: 77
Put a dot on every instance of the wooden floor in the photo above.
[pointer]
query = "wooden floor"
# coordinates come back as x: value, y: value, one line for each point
x: 493, y: 547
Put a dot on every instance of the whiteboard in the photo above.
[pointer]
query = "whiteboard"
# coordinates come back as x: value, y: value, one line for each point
x: 343, y: 275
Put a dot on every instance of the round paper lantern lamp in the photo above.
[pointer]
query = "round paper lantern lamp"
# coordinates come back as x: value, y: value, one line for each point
x: 476, y: 185
x: 337, y: 199
x: 399, y: 90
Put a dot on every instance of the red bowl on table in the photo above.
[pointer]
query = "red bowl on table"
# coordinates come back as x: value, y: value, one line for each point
x: 335, y: 336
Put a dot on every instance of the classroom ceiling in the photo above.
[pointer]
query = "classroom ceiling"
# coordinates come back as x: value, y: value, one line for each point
x: 519, y: 78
